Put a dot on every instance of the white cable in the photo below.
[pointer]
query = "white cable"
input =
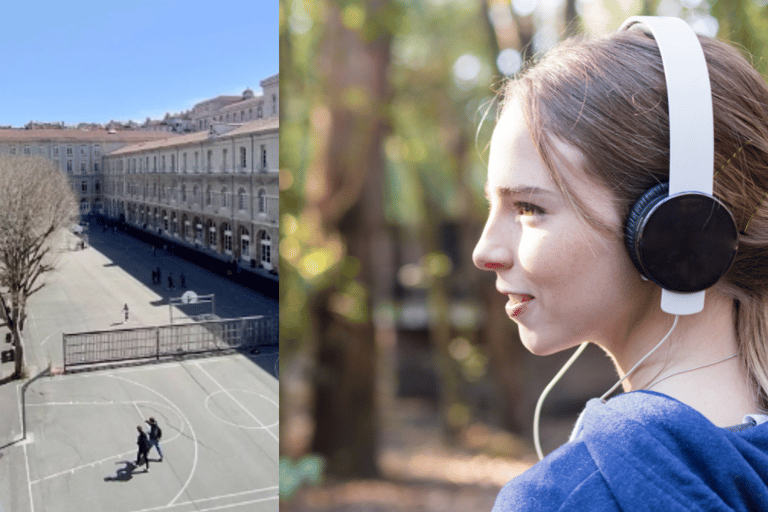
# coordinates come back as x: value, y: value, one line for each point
x: 626, y: 376
x: 566, y: 366
x: 537, y: 412
x: 649, y: 386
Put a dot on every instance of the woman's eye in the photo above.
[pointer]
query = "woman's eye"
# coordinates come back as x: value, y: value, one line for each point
x: 527, y: 209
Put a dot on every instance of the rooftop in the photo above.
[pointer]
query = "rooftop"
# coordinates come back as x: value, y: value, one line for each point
x: 261, y: 125
x: 58, y: 135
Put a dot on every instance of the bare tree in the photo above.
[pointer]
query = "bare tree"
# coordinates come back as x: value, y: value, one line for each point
x: 36, y: 203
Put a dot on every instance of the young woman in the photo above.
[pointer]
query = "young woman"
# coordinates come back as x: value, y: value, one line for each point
x: 581, y: 136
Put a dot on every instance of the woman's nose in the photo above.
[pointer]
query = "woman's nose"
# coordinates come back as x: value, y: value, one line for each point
x: 492, y: 251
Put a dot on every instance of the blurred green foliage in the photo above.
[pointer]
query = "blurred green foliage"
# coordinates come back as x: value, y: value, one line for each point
x: 443, y: 78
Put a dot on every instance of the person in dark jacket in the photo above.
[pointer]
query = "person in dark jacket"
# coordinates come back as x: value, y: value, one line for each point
x: 143, y: 442
x: 155, y: 433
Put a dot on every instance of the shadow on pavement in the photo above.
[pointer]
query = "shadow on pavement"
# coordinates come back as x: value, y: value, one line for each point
x: 123, y: 474
x: 141, y: 260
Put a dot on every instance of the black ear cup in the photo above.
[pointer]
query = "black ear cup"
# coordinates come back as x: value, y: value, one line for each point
x: 636, y: 215
x: 683, y: 243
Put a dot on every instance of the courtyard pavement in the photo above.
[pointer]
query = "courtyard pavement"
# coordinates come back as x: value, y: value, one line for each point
x: 219, y: 414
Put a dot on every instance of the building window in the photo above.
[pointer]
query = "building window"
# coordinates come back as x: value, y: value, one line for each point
x: 227, y: 239
x: 69, y: 150
x: 146, y: 166
x: 262, y: 201
x: 245, y: 242
x: 224, y: 197
x: 195, y: 190
x: 82, y: 168
x: 96, y: 150
x: 84, y: 186
x: 184, y: 162
x: 162, y: 163
x: 212, y: 237
x: 224, y: 160
x: 241, y: 199
x: 83, y: 150
x: 208, y: 195
x: 196, y: 161
x: 266, y: 250
x: 55, y: 150
x: 96, y: 187
x: 274, y: 104
x: 13, y: 150
x: 154, y: 164
x: 259, y: 113
x: 27, y: 151
x: 183, y: 192
x: 210, y: 160
x: 173, y: 163
x: 69, y: 166
x: 95, y: 166
x: 243, y: 158
x: 263, y: 157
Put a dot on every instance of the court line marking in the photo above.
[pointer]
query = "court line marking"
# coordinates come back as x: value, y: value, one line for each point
x: 26, y: 458
x: 238, y: 403
x: 236, y: 504
x: 191, y: 429
x: 226, y: 422
x: 194, y: 502
x: 29, y: 481
x: 47, y: 338
x: 101, y: 461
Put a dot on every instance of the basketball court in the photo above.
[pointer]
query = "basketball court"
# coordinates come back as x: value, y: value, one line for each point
x: 219, y: 414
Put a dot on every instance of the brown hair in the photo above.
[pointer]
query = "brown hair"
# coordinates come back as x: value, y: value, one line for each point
x: 607, y: 98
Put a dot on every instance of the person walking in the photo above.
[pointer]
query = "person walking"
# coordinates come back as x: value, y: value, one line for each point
x: 143, y: 442
x: 155, y: 433
x: 125, y: 310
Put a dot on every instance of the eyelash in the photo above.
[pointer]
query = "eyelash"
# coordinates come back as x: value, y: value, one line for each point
x: 532, y: 208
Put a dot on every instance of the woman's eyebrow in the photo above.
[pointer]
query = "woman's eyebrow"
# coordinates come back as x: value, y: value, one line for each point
x: 519, y: 190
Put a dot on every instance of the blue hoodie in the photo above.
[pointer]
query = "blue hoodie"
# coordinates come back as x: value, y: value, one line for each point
x: 644, y: 451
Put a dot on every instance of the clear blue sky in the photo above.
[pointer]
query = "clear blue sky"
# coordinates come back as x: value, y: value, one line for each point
x: 93, y: 61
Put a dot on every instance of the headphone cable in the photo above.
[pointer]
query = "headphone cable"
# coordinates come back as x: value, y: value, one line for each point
x: 566, y: 366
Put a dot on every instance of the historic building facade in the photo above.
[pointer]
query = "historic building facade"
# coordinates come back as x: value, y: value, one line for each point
x: 78, y: 153
x: 223, y: 109
x: 215, y: 190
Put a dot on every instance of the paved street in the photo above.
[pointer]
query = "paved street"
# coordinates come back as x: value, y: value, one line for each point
x: 219, y: 414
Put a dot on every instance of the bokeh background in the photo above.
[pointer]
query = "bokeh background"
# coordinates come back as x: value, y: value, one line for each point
x: 403, y: 384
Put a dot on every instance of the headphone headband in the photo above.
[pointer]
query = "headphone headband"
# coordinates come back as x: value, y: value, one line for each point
x: 691, y: 153
x: 691, y: 127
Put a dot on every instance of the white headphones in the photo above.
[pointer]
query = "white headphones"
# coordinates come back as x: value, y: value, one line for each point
x: 678, y: 235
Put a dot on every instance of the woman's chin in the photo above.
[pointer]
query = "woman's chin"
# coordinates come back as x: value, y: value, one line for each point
x: 539, y: 346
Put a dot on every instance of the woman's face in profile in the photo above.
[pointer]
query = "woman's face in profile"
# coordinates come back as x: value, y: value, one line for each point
x: 566, y: 282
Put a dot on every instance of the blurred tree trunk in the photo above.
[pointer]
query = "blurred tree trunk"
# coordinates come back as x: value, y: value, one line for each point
x: 344, y: 187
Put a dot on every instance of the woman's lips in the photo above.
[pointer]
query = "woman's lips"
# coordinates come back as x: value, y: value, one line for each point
x: 517, y: 304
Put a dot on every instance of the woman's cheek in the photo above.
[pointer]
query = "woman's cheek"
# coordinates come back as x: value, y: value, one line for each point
x: 539, y: 254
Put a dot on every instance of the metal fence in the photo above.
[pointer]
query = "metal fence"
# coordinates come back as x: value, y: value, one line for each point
x: 155, y: 343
